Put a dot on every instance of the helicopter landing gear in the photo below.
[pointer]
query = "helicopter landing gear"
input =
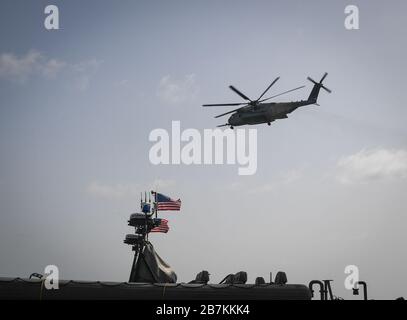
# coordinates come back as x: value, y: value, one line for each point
x: 269, y: 123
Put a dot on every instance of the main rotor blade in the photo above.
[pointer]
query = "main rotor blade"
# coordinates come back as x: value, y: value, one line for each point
x: 224, y: 104
x: 239, y: 93
x: 280, y: 94
x: 224, y: 114
x: 268, y: 88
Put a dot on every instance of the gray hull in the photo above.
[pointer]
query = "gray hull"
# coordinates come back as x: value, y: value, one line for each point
x: 34, y: 289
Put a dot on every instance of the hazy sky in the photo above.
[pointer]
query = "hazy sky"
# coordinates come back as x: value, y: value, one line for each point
x: 77, y: 106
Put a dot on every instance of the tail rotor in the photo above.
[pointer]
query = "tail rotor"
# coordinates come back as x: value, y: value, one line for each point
x: 319, y: 84
x: 313, y: 97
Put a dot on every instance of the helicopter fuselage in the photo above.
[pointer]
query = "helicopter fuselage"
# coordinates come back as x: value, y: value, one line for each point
x: 265, y: 113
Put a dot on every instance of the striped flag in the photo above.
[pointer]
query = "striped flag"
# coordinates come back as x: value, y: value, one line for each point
x: 165, y: 203
x: 162, y: 227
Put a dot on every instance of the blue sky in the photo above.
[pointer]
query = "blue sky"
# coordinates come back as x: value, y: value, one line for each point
x: 77, y: 106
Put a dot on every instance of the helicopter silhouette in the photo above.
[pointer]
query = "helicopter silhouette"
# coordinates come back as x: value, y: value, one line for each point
x: 259, y: 111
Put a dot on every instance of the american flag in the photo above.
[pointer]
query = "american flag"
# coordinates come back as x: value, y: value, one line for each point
x: 165, y: 203
x: 162, y: 227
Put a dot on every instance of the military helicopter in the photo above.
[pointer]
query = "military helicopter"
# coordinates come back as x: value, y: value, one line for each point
x: 258, y: 111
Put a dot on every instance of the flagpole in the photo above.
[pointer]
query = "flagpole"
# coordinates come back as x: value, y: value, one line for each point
x: 156, y: 204
x: 146, y: 216
x: 141, y: 200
